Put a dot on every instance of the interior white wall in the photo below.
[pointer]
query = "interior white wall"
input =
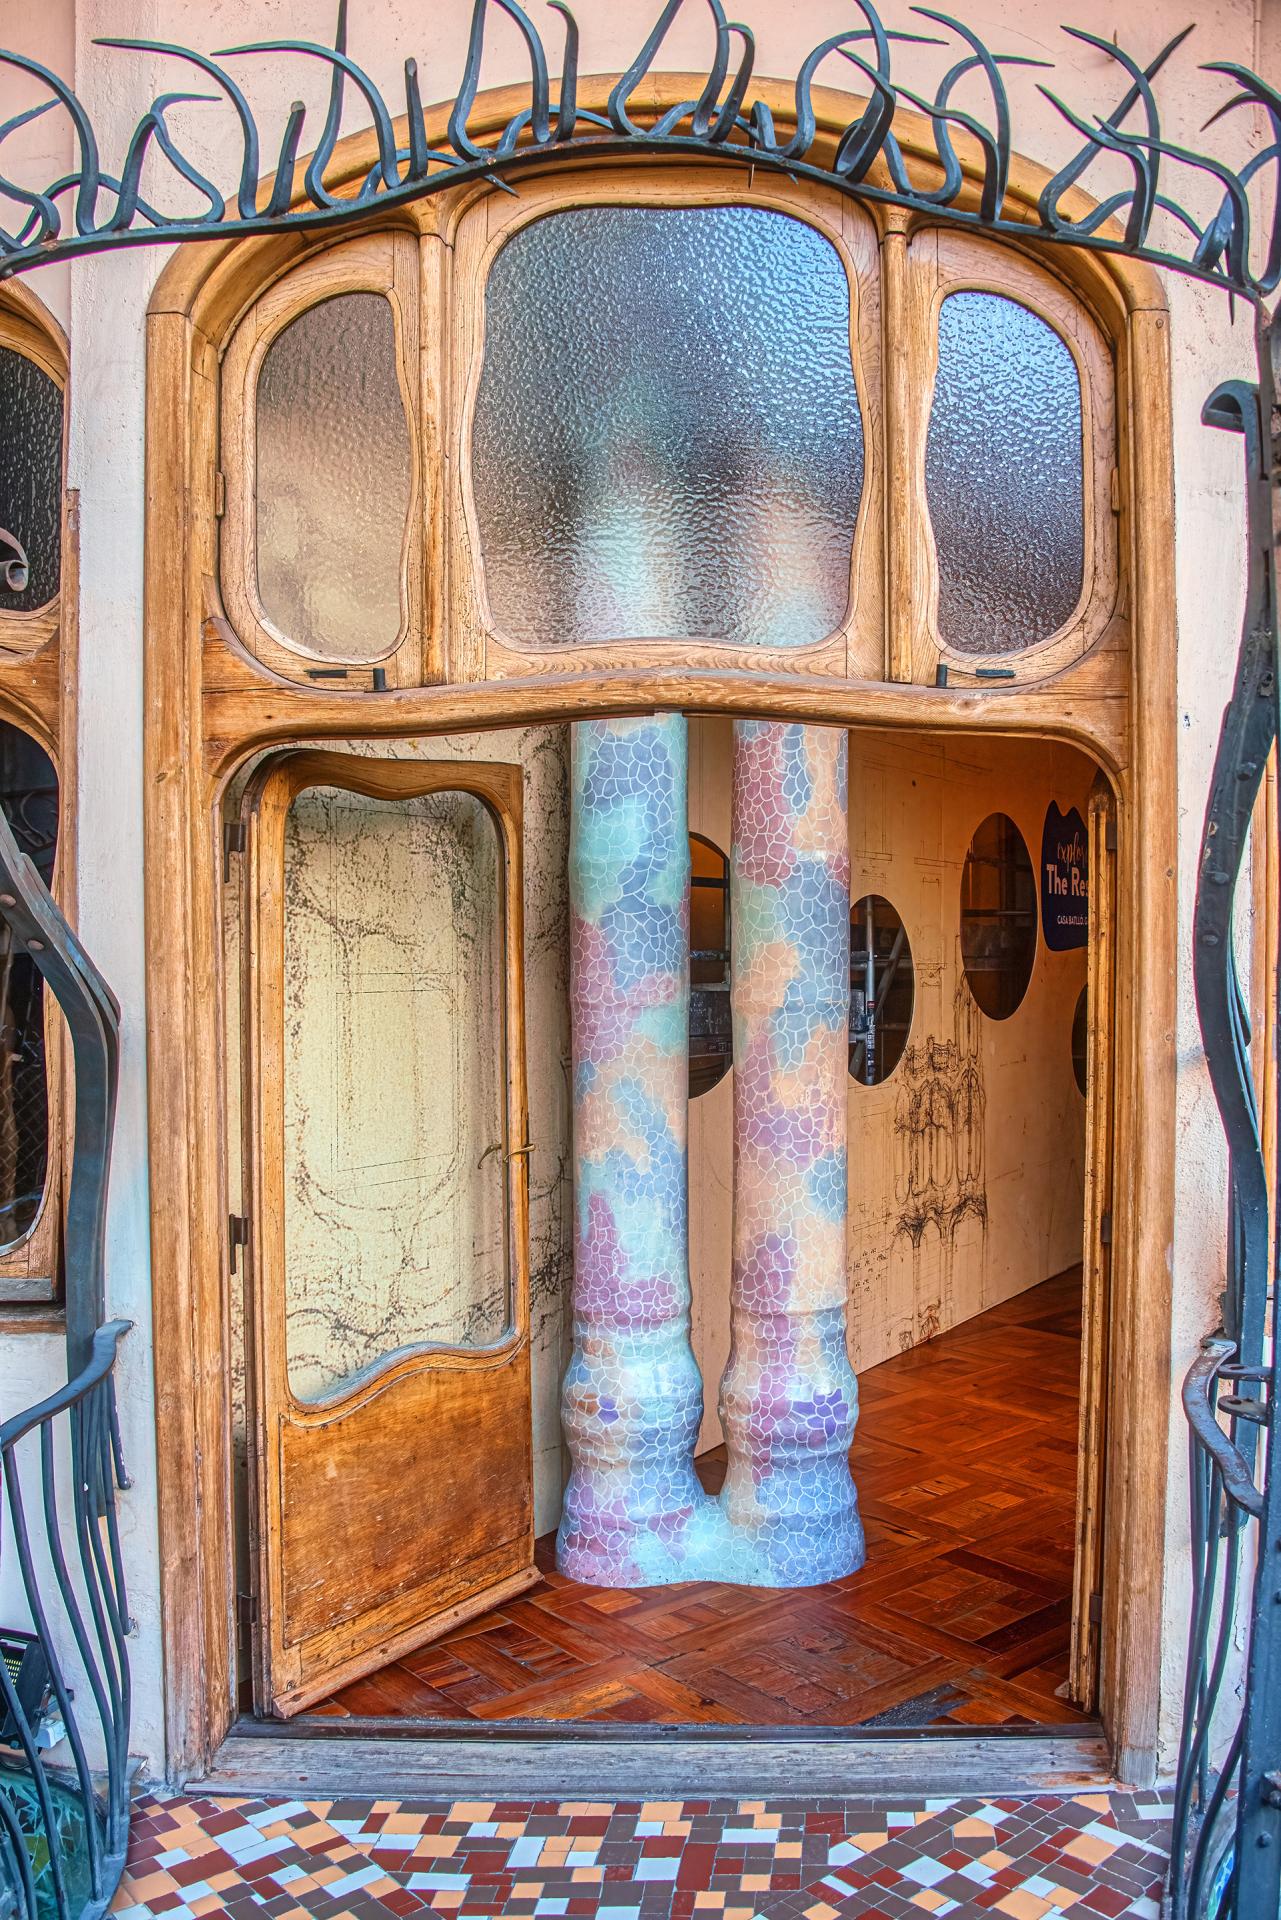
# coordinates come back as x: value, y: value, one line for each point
x: 107, y: 304
x: 914, y: 805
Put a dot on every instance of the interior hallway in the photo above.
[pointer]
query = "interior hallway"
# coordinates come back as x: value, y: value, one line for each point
x: 965, y: 1460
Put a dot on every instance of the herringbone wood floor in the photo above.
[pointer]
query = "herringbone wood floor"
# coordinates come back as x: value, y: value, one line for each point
x: 965, y: 1461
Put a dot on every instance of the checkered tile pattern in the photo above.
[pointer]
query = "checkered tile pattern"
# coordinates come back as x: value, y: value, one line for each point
x: 1098, y: 1856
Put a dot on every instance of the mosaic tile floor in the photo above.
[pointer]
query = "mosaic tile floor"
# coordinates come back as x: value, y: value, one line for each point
x: 1092, y: 1854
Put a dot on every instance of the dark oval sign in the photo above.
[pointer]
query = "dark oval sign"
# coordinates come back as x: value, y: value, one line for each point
x: 1065, y: 880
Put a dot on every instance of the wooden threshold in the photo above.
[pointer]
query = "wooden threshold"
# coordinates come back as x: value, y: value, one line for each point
x: 430, y: 1760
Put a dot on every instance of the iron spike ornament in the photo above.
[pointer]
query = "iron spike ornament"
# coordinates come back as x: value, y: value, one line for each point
x: 1237, y: 248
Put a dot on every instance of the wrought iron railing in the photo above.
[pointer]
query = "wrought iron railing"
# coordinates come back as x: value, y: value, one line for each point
x: 64, y: 1667
x: 1226, y: 1857
x: 64, y: 1827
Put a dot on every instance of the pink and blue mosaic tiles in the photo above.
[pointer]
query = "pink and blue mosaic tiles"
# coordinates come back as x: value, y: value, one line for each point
x: 632, y: 1396
x: 634, y: 1512
x: 1094, y: 1856
x: 789, y: 1401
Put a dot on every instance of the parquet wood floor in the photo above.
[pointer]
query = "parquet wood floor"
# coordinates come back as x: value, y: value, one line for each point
x: 965, y: 1460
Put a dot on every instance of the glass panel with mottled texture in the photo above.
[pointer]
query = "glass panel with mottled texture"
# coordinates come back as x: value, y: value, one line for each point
x: 394, y: 1161
x: 31, y: 477
x: 29, y: 797
x: 667, y: 440
x: 333, y: 480
x: 1004, y: 476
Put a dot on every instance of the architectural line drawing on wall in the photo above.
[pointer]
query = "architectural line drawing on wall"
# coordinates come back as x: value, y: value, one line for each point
x: 939, y: 1119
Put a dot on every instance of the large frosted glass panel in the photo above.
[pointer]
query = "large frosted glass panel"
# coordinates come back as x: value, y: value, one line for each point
x: 395, y: 1169
x: 667, y: 439
x: 1003, y: 475
x: 334, y: 471
x: 31, y: 476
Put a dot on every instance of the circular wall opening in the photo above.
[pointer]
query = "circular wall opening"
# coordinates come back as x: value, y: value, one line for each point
x: 998, y: 917
x: 882, y: 989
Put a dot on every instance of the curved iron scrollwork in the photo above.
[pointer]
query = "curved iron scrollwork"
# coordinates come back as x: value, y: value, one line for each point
x: 64, y: 1673
x: 92, y: 208
x: 14, y: 568
x: 1226, y: 1856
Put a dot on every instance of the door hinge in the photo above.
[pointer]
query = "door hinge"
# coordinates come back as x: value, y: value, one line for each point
x: 237, y: 1235
x: 1105, y: 1228
x: 235, y: 838
x: 220, y: 493
x: 1096, y: 1609
x: 1109, y: 835
x: 247, y: 1609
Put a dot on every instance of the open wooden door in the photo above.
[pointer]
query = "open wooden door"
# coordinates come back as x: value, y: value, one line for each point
x: 387, y: 1308
x: 1096, y: 1299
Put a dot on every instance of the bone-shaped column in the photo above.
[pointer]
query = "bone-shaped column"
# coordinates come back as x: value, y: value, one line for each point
x: 789, y: 1400
x: 632, y: 1397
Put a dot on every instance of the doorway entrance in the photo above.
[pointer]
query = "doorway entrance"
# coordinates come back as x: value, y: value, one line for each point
x: 411, y: 1272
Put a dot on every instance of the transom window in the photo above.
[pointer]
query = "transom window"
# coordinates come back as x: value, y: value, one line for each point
x: 667, y: 439
x: 622, y: 423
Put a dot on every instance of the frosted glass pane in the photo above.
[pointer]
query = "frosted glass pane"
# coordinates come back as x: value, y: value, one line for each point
x: 31, y: 476
x: 395, y: 1174
x: 1003, y: 475
x: 333, y: 480
x: 667, y: 439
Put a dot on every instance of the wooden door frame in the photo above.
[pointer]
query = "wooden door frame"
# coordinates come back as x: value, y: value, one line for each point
x: 1096, y: 1290
x: 275, y: 784
x: 208, y: 709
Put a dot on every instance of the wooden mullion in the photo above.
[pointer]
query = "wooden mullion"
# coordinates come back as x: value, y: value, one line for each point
x: 897, y: 362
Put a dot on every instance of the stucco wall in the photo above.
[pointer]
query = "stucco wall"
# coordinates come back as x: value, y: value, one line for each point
x: 106, y: 308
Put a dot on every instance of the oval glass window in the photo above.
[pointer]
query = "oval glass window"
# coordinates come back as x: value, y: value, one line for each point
x: 1004, y: 476
x: 882, y: 989
x: 31, y: 478
x: 711, y: 1030
x: 998, y: 917
x: 394, y: 1085
x: 1081, y: 1039
x: 667, y: 441
x: 334, y: 476
x: 29, y: 796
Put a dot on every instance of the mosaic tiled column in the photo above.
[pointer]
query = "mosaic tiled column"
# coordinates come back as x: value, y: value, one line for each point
x: 632, y: 1397
x: 788, y: 1399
